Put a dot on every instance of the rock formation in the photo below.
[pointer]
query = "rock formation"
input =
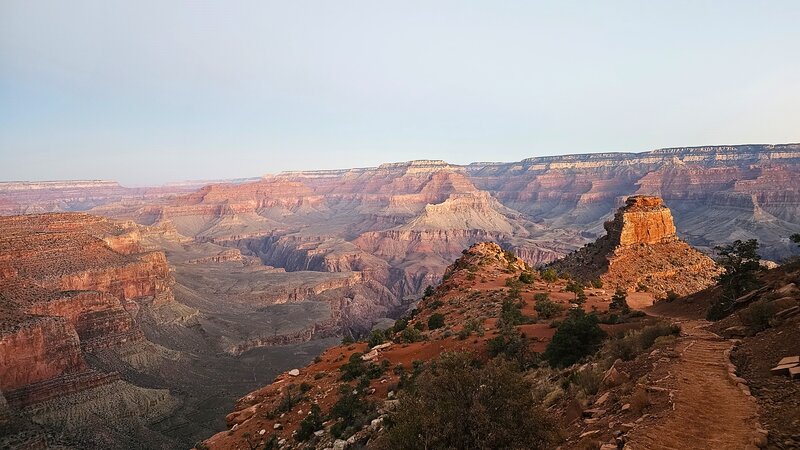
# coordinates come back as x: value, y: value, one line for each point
x: 70, y: 287
x: 641, y: 250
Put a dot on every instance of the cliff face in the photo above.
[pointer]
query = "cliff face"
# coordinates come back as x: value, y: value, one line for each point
x: 70, y: 287
x: 642, y: 251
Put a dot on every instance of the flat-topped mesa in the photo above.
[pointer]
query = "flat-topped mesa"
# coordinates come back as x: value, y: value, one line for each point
x: 643, y: 220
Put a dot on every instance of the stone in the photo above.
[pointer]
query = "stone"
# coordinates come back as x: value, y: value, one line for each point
x: 277, y: 426
x: 782, y: 369
x: 294, y: 372
x: 626, y: 407
x: 789, y: 360
x: 602, y: 399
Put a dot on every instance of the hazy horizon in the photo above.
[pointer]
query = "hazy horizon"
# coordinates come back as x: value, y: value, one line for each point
x: 148, y: 93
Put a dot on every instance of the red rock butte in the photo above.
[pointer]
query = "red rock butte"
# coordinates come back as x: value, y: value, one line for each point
x: 641, y: 250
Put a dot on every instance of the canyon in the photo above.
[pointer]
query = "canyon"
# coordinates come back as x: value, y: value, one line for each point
x: 175, y: 301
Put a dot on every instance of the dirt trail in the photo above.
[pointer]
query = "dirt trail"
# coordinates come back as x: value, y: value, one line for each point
x: 708, y: 410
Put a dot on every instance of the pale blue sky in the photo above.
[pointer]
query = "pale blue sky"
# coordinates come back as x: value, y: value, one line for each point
x: 151, y: 91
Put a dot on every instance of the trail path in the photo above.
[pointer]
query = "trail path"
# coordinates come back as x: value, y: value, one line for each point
x: 709, y: 410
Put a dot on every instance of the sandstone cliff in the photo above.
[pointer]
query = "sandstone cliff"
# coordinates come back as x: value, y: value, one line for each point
x: 642, y: 251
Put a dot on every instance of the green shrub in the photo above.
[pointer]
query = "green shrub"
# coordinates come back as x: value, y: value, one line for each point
x: 511, y: 315
x: 635, y: 342
x: 435, y: 321
x: 410, y: 335
x: 549, y: 275
x: 377, y: 337
x: 512, y: 345
x: 357, y: 367
x: 597, y: 283
x: 457, y: 404
x: 579, y: 335
x: 310, y: 424
x: 400, y: 325
x: 527, y: 277
x: 352, y: 411
x: 546, y: 308
x: 429, y: 291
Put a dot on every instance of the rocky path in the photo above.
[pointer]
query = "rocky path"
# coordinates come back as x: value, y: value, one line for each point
x: 708, y: 410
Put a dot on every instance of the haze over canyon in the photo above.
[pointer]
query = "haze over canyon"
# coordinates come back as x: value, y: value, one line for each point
x: 136, y: 317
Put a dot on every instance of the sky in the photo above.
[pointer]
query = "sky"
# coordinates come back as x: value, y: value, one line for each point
x: 146, y: 92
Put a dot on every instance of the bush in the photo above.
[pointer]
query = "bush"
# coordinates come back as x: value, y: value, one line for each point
x: 546, y: 308
x: 513, y: 345
x: 357, y: 367
x: 429, y: 291
x: 511, y: 315
x: 527, y: 277
x: 579, y: 335
x: 377, y: 337
x: 310, y: 424
x: 757, y: 315
x: 635, y: 342
x: 410, y: 335
x: 400, y: 325
x: 435, y: 321
x: 549, y: 275
x: 457, y: 404
x: 597, y: 283
x: 352, y: 410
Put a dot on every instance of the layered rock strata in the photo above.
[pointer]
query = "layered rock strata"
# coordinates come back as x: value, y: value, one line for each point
x: 641, y: 250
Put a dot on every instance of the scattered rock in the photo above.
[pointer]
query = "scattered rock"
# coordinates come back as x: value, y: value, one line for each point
x: 294, y: 372
x: 277, y: 426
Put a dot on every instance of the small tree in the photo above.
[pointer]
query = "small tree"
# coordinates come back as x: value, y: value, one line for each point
x: 620, y: 301
x: 579, y: 335
x: 435, y: 321
x: 795, y: 238
x: 458, y: 404
x: 310, y: 424
x: 546, y: 308
x: 549, y: 275
x: 740, y: 261
x: 429, y: 291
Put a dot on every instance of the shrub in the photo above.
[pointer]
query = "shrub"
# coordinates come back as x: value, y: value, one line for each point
x: 435, y: 321
x: 459, y: 404
x: 579, y: 335
x: 587, y: 380
x: 400, y: 325
x: 546, y: 308
x: 511, y: 315
x: 513, y: 345
x: 672, y: 296
x: 597, y: 283
x: 347, y: 340
x: 310, y: 424
x: 410, y: 335
x: 527, y: 277
x: 357, y: 367
x: 436, y: 304
x: 757, y: 315
x: 352, y: 410
x: 377, y: 337
x: 549, y: 275
x: 429, y: 291
x: 635, y: 342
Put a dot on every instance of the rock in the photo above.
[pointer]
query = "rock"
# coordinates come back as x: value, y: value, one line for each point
x: 613, y: 377
x: 609, y: 447
x: 261, y: 432
x: 641, y: 243
x: 589, y: 433
x: 277, y: 426
x: 626, y: 407
x: 294, y: 372
x: 736, y: 331
x: 319, y: 433
x: 594, y: 412
x: 602, y: 399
